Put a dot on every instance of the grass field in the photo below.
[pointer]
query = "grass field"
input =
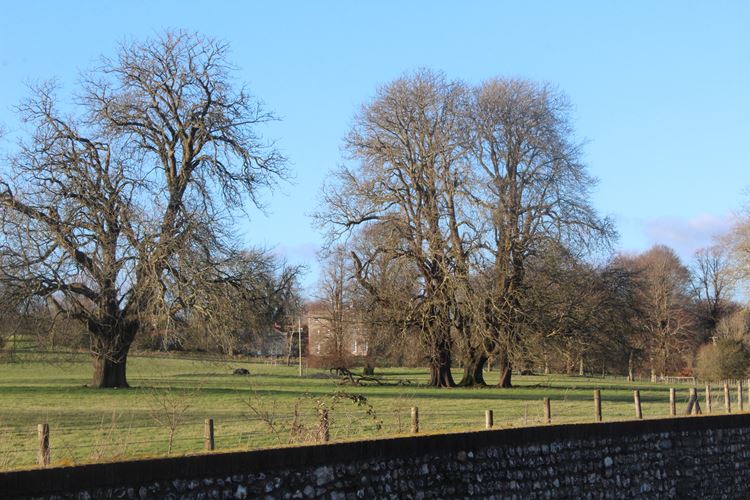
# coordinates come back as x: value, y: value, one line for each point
x: 258, y: 410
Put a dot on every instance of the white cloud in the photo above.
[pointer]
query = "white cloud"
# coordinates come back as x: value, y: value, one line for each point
x: 302, y: 252
x: 686, y: 235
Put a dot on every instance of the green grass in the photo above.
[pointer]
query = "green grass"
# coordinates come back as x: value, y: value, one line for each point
x: 89, y: 424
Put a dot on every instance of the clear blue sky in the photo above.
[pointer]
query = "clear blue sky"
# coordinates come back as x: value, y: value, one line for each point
x: 661, y: 90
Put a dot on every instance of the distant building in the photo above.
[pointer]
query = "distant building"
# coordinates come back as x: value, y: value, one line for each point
x: 269, y: 343
x: 324, y: 340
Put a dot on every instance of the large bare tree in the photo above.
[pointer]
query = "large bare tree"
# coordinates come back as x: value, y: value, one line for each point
x: 112, y: 213
x: 532, y: 187
x: 407, y: 149
x: 470, y: 182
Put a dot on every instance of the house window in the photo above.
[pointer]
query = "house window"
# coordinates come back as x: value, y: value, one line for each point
x: 354, y: 347
x: 318, y: 348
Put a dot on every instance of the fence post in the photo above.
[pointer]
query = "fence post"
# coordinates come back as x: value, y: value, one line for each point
x: 323, y: 431
x: 637, y: 401
x: 708, y: 398
x: 727, y: 401
x: 208, y: 434
x: 740, y: 406
x: 42, y: 457
x: 488, y: 419
x: 597, y: 405
x: 695, y: 406
x: 672, y: 403
x: 414, y: 420
x: 547, y: 412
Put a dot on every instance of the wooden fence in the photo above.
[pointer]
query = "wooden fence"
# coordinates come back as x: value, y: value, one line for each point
x: 732, y: 395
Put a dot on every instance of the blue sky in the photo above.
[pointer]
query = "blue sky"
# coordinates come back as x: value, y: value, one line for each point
x: 661, y: 90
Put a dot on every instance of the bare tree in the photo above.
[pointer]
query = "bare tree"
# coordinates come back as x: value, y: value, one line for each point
x: 714, y: 280
x: 168, y: 407
x: 576, y: 313
x: 407, y: 145
x: 666, y: 321
x: 237, y: 303
x: 335, y: 294
x: 532, y: 187
x: 390, y: 283
x: 469, y: 183
x: 110, y: 214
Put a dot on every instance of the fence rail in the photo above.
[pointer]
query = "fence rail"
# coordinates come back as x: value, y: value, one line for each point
x: 48, y: 444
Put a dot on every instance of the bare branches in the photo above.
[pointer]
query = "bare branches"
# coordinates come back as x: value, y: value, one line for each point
x: 121, y: 214
x: 173, y: 96
x: 464, y: 183
x: 663, y: 293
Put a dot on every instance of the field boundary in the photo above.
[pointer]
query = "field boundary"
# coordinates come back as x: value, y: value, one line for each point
x: 220, y: 464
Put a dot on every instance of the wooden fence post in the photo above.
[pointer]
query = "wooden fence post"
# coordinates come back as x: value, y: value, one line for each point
x: 727, y: 401
x: 672, y: 403
x: 488, y: 420
x: 323, y: 430
x: 597, y: 405
x: 708, y: 398
x: 547, y: 412
x: 208, y: 434
x: 43, y: 455
x: 694, y: 406
x: 414, y: 420
x: 740, y: 406
x: 637, y: 401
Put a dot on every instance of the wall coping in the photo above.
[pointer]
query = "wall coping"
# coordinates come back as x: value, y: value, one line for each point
x: 222, y: 464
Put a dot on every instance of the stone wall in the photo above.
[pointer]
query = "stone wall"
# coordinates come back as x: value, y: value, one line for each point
x: 689, y: 457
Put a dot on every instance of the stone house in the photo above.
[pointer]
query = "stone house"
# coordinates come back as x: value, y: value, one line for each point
x: 325, y: 339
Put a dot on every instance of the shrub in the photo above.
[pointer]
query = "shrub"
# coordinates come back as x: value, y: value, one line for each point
x: 728, y: 358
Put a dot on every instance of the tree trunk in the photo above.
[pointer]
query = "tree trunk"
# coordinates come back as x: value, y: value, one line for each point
x: 580, y: 367
x: 110, y: 346
x: 109, y: 372
x: 473, y: 368
x: 568, y: 365
x: 440, y: 366
x: 289, y: 350
x: 631, y: 376
x: 440, y: 376
x: 506, y: 370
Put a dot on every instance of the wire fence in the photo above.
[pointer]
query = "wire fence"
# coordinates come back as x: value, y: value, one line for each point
x: 172, y: 432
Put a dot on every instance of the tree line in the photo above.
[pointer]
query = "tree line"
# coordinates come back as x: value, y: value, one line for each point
x: 463, y: 219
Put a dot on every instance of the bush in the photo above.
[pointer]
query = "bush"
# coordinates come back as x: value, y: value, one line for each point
x: 726, y: 359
